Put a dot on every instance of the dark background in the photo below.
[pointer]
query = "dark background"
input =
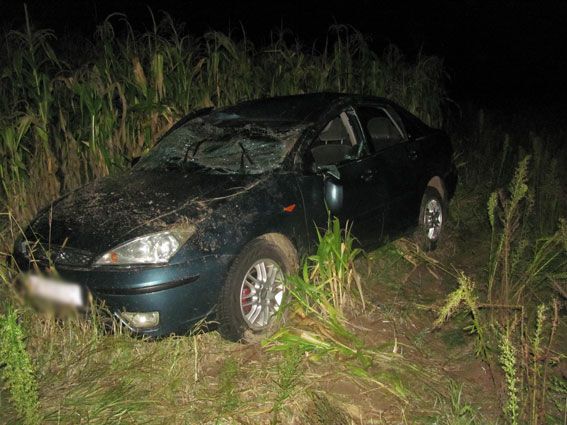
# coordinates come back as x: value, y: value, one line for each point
x: 498, y: 52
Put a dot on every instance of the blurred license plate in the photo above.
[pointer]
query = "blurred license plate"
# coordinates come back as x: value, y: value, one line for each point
x: 53, y: 290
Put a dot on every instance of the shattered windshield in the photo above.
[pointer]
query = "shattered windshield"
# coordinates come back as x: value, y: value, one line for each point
x: 224, y: 143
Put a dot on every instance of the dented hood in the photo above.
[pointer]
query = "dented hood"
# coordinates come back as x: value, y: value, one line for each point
x: 112, y: 210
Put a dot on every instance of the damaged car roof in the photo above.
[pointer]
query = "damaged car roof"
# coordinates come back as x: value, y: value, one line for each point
x: 291, y: 109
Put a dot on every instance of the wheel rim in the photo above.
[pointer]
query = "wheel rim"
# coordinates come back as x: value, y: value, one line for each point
x: 433, y: 218
x: 261, y: 293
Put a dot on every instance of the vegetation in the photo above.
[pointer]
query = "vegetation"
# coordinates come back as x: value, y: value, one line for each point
x: 65, y: 120
x: 323, y: 297
x: 18, y: 370
x: 525, y: 275
x: 361, y: 344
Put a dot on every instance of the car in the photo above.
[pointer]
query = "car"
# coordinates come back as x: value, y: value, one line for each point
x: 209, y: 222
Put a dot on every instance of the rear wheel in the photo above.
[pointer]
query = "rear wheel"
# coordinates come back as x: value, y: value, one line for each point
x: 254, y: 289
x: 432, y: 216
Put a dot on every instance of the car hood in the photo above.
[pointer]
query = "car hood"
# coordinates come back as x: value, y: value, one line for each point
x: 115, y: 209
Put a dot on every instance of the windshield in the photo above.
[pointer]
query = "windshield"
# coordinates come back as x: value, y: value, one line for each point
x: 224, y: 143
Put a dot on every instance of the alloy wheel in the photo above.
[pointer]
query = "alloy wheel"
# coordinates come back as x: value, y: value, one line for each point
x: 261, y: 293
x: 433, y: 219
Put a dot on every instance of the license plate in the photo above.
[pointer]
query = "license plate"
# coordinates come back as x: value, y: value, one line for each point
x: 56, y: 291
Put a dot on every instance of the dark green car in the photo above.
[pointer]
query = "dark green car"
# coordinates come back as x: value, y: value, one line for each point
x: 209, y: 222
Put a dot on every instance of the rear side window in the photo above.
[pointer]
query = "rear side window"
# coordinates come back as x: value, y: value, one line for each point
x: 413, y: 125
x: 379, y: 128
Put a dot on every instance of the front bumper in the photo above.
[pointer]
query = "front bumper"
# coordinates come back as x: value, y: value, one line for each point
x: 182, y: 293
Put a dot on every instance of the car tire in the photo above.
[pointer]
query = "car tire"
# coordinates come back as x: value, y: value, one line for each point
x: 254, y: 289
x: 432, y: 217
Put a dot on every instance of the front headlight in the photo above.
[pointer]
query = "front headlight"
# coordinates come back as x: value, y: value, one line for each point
x: 156, y: 248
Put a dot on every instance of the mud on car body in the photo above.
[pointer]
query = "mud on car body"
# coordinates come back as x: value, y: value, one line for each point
x: 213, y: 218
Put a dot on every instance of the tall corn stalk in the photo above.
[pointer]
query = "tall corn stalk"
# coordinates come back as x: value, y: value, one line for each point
x: 65, y: 121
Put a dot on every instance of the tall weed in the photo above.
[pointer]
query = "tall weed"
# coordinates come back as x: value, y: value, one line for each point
x: 523, y: 270
x: 327, y: 288
x: 521, y: 263
x: 17, y: 369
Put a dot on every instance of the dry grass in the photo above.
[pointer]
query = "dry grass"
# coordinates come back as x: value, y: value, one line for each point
x: 85, y: 375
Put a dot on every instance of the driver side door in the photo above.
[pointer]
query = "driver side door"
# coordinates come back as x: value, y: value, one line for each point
x: 342, y: 175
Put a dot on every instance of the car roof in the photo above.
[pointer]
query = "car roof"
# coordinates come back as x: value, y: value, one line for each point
x: 292, y: 109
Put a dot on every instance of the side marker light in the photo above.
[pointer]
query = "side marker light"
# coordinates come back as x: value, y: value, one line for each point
x: 290, y: 208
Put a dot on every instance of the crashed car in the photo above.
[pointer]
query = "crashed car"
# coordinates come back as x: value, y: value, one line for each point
x: 209, y: 222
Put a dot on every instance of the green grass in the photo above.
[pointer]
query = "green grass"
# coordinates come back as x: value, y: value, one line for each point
x: 18, y: 370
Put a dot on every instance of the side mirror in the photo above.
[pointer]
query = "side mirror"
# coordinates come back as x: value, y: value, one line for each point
x: 330, y: 170
x: 333, y: 195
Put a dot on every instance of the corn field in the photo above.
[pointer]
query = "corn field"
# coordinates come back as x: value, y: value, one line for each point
x: 68, y: 116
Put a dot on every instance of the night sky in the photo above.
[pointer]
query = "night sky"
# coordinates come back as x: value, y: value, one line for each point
x: 498, y: 51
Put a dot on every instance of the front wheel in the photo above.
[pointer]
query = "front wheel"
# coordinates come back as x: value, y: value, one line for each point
x: 254, y: 289
x: 432, y: 216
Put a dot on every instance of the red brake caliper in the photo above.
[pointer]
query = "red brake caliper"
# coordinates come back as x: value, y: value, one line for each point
x: 246, y: 297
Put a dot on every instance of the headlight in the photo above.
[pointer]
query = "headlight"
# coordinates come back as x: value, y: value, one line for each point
x: 156, y: 248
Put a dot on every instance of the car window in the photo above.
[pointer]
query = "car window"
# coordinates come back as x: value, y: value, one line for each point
x: 338, y: 141
x: 378, y: 127
x: 413, y: 125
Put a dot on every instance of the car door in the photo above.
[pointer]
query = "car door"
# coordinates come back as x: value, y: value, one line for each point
x: 343, y: 178
x: 395, y: 158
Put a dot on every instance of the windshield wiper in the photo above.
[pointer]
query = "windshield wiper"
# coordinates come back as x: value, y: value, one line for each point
x: 196, y: 145
x: 242, y: 156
